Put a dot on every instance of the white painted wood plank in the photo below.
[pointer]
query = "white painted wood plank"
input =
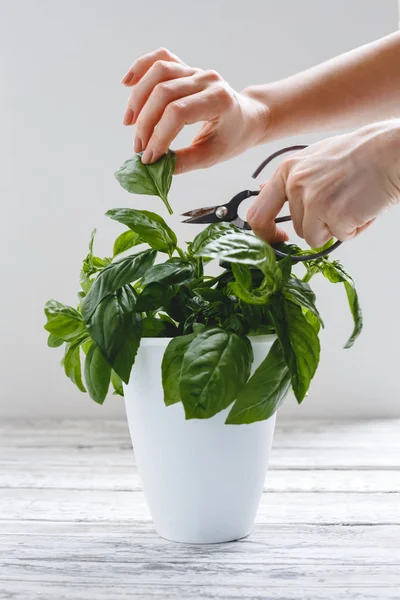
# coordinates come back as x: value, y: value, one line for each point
x: 292, y: 545
x: 313, y: 534
x: 121, y: 478
x: 308, y: 434
x: 93, y: 590
x: 161, y: 572
x: 69, y: 527
x: 307, y: 507
x: 373, y: 457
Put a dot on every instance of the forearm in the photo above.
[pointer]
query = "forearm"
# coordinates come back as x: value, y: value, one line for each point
x: 347, y: 91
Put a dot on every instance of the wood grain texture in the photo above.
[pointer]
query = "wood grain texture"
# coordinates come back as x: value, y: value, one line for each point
x: 119, y: 478
x: 29, y: 590
x: 74, y: 524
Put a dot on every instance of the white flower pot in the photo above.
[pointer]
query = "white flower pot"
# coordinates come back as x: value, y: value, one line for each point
x: 202, y: 479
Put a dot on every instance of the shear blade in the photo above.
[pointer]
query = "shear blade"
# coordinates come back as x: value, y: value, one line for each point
x: 199, y: 212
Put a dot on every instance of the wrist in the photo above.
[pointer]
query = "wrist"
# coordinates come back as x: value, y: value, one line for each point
x: 386, y: 134
x: 381, y: 141
x: 393, y: 153
x: 279, y: 110
x: 261, y: 112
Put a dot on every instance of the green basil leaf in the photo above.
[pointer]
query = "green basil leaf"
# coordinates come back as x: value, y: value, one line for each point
x: 172, y: 272
x: 285, y: 266
x: 151, y: 228
x: 261, y: 330
x: 234, y: 323
x: 63, y: 321
x: 53, y: 341
x: 115, y: 276
x: 242, y: 276
x: 252, y: 315
x: 166, y: 318
x: 242, y: 286
x: 154, y: 327
x: 355, y: 308
x: 312, y: 319
x: 72, y: 364
x: 91, y: 265
x: 200, y: 328
x: 300, y: 293
x: 335, y: 273
x: 250, y: 297
x: 125, y: 241
x: 153, y: 180
x: 210, y: 313
x: 214, y: 296
x: 171, y: 367
x: 91, y: 242
x: 179, y: 308
x: 264, y: 392
x: 296, y: 250
x: 299, y: 341
x: 287, y: 248
x: 215, y: 367
x: 239, y: 247
x: 328, y: 244
x: 116, y: 382
x: 154, y: 296
x: 211, y: 233
x: 86, y: 345
x: 97, y: 374
x: 116, y: 328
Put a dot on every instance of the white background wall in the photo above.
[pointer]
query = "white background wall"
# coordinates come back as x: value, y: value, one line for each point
x: 61, y: 139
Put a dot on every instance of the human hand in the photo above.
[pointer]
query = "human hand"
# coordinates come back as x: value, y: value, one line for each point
x: 335, y: 188
x: 167, y: 94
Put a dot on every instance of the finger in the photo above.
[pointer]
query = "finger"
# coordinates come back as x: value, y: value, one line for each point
x: 262, y: 213
x: 204, y: 106
x: 297, y: 213
x: 364, y: 227
x: 162, y: 95
x: 315, y: 231
x: 160, y: 71
x: 143, y: 64
x: 344, y: 231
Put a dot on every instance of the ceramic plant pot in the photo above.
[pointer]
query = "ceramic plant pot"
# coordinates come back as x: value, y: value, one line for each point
x: 202, y: 479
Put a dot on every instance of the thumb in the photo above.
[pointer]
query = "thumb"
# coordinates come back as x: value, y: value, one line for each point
x: 268, y: 204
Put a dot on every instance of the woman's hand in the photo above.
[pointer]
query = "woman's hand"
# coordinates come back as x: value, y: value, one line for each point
x: 335, y: 188
x: 167, y: 94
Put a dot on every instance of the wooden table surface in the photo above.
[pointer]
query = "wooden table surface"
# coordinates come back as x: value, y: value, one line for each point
x: 74, y: 523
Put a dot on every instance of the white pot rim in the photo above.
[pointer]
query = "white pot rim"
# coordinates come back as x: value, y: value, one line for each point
x: 164, y: 341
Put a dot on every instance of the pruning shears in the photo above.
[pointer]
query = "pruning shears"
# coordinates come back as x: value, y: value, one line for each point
x: 229, y: 212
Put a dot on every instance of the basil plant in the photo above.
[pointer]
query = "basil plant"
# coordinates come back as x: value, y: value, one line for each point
x: 150, y: 287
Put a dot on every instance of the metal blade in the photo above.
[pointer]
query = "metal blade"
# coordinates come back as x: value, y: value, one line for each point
x: 241, y: 224
x: 211, y: 218
x: 199, y: 212
x: 201, y: 215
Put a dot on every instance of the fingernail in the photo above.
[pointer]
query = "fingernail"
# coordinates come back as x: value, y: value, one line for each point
x: 127, y: 78
x: 147, y: 156
x: 128, y: 116
x: 137, y: 145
